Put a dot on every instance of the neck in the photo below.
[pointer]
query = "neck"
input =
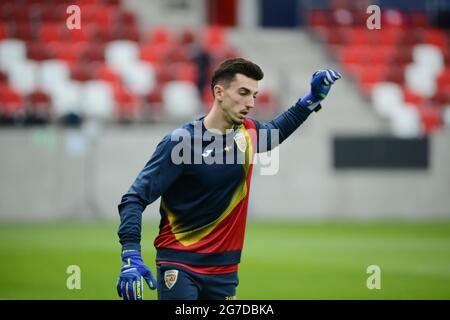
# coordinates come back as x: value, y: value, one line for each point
x: 216, y: 120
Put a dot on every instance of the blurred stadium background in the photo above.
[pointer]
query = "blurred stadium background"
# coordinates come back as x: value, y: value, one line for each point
x: 364, y: 182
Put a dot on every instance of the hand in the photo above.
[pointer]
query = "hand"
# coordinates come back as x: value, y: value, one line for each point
x: 320, y: 86
x: 132, y: 273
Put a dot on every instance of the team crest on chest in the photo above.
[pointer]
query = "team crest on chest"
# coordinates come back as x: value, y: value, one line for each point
x: 170, y: 278
x: 241, y: 143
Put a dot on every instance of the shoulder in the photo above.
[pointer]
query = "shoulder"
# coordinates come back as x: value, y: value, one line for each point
x: 251, y: 124
x: 183, y: 133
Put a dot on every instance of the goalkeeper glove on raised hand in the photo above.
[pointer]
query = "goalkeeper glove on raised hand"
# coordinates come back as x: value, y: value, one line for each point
x: 321, y: 83
x: 133, y: 271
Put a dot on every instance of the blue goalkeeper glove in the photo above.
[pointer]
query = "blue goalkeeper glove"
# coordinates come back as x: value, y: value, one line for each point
x: 132, y: 273
x: 321, y: 83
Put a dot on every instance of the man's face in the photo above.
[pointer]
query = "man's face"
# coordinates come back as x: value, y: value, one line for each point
x: 238, y: 98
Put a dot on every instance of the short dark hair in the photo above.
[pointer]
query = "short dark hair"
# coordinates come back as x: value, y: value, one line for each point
x: 227, y: 70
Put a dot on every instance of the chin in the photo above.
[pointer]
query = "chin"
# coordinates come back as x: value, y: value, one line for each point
x: 238, y: 121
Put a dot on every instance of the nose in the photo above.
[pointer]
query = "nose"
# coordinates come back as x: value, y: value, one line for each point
x: 250, y: 103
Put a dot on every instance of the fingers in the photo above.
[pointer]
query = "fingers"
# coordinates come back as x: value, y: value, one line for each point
x: 131, y: 291
x: 148, y: 276
x: 329, y: 76
x: 139, y: 289
x: 151, y: 281
x: 130, y: 288
x: 118, y: 287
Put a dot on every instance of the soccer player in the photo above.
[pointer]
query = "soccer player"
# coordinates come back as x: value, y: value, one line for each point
x: 202, y: 173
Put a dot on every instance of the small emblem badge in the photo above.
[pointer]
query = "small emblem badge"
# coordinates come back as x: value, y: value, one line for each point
x: 241, y: 143
x: 170, y: 278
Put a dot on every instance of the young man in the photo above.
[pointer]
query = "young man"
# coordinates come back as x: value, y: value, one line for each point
x: 202, y: 173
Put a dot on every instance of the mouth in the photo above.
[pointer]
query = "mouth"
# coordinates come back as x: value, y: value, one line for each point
x: 243, y: 113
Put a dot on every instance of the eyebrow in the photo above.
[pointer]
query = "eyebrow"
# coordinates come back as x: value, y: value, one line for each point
x: 248, y: 90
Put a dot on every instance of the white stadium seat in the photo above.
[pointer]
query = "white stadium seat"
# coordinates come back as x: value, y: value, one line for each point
x: 421, y: 79
x: 121, y: 53
x: 181, y: 99
x: 98, y: 100
x: 139, y: 77
x: 66, y: 97
x: 11, y: 51
x: 387, y: 97
x: 52, y: 73
x: 429, y: 56
x: 405, y: 122
x: 23, y: 76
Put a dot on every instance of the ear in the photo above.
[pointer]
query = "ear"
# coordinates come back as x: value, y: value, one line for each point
x: 218, y: 92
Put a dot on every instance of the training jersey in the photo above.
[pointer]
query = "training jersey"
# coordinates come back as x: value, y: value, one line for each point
x: 203, y: 179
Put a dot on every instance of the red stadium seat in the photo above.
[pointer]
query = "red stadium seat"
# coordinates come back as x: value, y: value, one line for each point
x: 85, y: 34
x: 51, y: 14
x: 337, y: 37
x: 386, y: 36
x: 82, y: 72
x: 127, y: 104
x: 163, y: 74
x: 358, y: 36
x: 319, y: 18
x: 69, y: 52
x: 214, y: 38
x: 40, y: 106
x: 24, y: 32
x: 381, y: 55
x: 129, y: 33
x: 369, y: 75
x: 412, y: 97
x: 180, y: 54
x: 443, y: 79
x: 154, y: 53
x: 38, y: 51
x: 11, y: 102
x: 104, y: 72
x: 105, y: 16
x: 418, y: 19
x: 442, y: 96
x: 395, y: 74
x: 185, y: 72
x: 94, y: 52
x: 4, y: 32
x: 160, y: 36
x: 187, y: 37
x: 435, y: 37
x: 126, y: 18
x: 3, y: 79
x: 155, y: 98
x: 402, y: 56
x: 50, y: 32
x: 355, y: 54
x: 431, y: 119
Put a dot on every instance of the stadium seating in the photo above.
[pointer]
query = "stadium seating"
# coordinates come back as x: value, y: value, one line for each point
x: 406, y: 61
x: 55, y: 71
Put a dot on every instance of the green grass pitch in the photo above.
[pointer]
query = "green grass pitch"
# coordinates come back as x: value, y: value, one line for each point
x: 281, y: 260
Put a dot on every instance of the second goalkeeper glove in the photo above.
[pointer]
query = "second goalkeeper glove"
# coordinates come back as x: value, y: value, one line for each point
x: 132, y: 274
x: 321, y: 83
